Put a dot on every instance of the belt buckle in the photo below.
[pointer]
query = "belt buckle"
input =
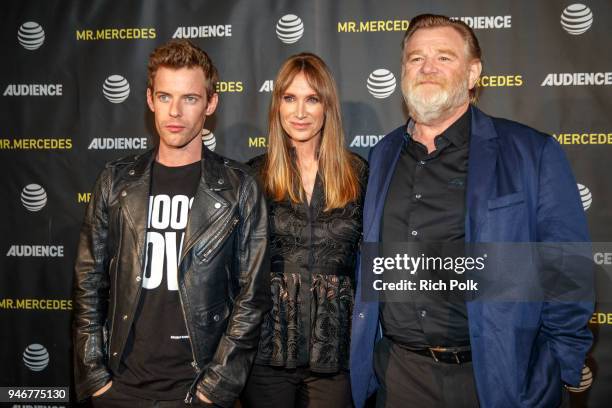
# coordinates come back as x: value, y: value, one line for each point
x: 433, y: 350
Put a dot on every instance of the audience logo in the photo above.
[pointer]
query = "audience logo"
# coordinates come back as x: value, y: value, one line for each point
x: 576, y: 19
x: 365, y: 140
x: 289, y: 29
x: 267, y: 86
x: 33, y: 197
x: 209, y: 139
x: 116, y: 89
x: 36, y: 357
x: 381, y: 83
x: 585, y: 196
x: 31, y: 35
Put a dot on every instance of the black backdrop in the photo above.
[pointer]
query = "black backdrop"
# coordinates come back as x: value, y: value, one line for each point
x: 72, y: 83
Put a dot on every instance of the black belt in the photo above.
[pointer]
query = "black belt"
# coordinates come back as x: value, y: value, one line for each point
x: 448, y: 355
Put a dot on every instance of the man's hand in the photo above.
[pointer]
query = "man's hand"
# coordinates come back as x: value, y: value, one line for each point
x: 203, y: 398
x: 103, y: 389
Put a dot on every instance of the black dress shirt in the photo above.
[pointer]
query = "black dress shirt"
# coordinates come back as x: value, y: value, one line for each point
x: 426, y: 203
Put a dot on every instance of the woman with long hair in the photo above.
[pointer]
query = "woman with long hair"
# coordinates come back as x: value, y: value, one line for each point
x: 315, y: 189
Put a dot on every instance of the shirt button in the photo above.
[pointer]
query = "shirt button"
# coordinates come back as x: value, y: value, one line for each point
x: 423, y: 313
x: 123, y: 193
x: 361, y: 315
x: 418, y: 196
x: 217, y: 205
x: 131, y: 172
x: 414, y: 233
x: 216, y: 318
x: 422, y: 162
x: 124, y: 317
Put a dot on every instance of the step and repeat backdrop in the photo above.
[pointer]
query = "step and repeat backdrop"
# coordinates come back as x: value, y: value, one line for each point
x: 72, y: 97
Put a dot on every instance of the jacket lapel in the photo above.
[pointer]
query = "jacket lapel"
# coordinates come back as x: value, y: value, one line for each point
x: 482, y: 161
x: 134, y: 198
x: 208, y: 205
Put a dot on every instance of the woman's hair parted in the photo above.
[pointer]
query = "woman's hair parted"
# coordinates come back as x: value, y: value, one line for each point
x: 336, y: 168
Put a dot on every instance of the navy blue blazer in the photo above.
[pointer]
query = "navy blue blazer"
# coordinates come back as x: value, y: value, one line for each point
x: 520, y: 188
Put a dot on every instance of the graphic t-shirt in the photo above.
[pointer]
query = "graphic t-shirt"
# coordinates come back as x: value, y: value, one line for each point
x: 157, y: 360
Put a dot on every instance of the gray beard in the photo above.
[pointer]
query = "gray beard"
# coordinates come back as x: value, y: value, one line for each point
x: 430, y: 110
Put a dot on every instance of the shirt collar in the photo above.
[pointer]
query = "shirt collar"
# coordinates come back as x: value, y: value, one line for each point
x: 458, y: 133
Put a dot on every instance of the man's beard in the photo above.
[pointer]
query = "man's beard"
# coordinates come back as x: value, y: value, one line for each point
x: 428, y: 108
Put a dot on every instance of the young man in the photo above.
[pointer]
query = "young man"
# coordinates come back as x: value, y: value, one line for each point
x: 171, y: 277
x: 455, y: 174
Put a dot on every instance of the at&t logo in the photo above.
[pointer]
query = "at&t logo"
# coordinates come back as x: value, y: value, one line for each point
x: 585, y: 196
x: 31, y: 35
x: 289, y: 29
x: 116, y: 89
x: 209, y: 139
x: 381, y: 83
x: 36, y: 357
x: 33, y: 197
x: 576, y: 19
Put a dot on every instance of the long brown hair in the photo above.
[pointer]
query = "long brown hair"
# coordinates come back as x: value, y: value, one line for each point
x: 336, y: 168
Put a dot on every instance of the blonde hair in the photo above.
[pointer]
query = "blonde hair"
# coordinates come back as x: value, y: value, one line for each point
x: 281, y: 176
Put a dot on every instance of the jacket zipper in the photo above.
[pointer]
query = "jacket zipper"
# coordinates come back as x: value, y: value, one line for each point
x: 219, y: 239
x: 194, y: 363
x: 191, y: 392
x: 116, y: 272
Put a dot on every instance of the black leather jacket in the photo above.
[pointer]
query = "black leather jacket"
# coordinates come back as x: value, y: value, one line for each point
x: 223, y: 276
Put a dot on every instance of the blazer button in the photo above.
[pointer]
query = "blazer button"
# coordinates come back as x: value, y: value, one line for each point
x: 124, y: 317
x: 216, y: 318
x: 220, y: 181
x: 138, y: 278
x: 361, y: 315
x: 131, y: 172
x: 115, y: 354
x: 123, y: 193
x: 217, y: 205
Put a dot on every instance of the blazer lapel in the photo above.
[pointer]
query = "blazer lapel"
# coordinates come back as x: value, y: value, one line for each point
x: 483, y: 156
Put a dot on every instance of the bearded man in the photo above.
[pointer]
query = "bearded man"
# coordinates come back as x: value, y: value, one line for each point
x: 454, y: 174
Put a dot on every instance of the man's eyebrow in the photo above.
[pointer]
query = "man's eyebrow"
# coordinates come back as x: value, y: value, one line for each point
x: 449, y: 51
x: 187, y: 94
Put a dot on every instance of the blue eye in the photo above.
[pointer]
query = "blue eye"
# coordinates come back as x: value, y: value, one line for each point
x: 288, y: 98
x: 163, y: 98
x: 313, y: 99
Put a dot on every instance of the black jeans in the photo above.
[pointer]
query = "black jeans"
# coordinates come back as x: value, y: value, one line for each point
x: 276, y: 387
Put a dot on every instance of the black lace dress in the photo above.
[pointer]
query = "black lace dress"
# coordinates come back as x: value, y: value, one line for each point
x: 313, y: 256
